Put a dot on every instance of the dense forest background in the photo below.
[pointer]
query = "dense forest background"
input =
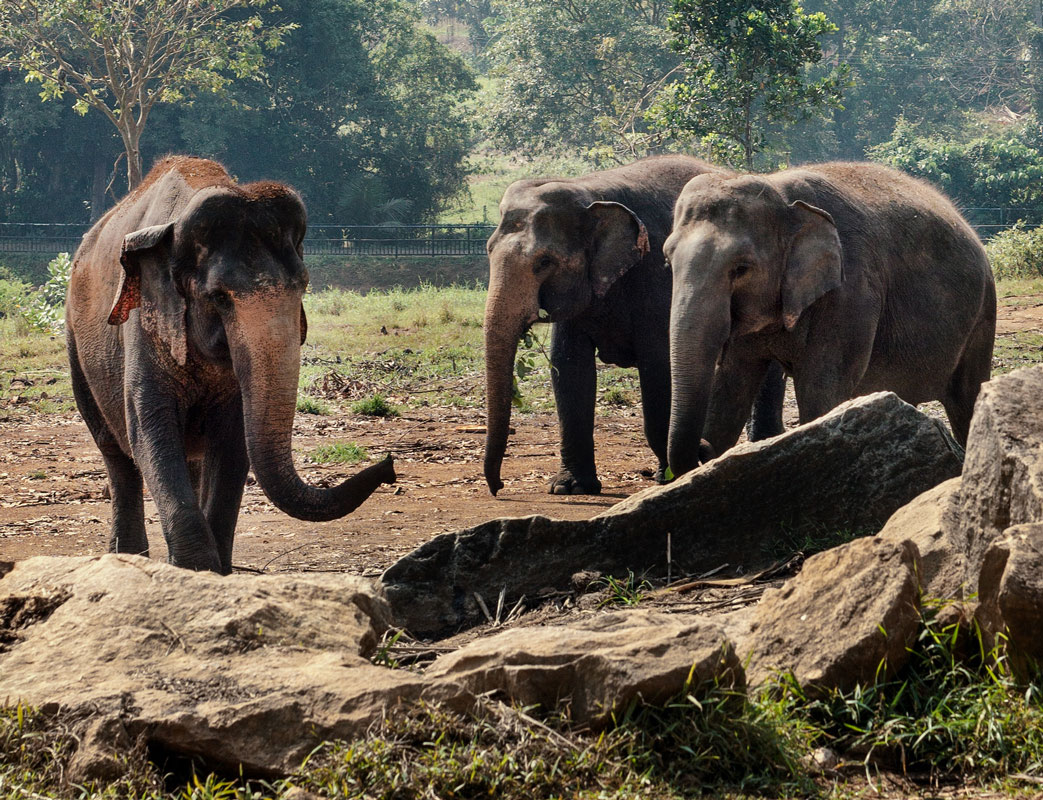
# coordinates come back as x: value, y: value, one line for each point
x: 424, y: 110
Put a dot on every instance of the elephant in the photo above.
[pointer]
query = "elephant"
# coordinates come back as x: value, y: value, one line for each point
x: 855, y: 277
x: 184, y: 325
x: 585, y: 254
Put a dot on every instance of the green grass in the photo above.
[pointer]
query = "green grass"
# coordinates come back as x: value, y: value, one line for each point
x: 375, y: 406
x: 309, y: 404
x: 339, y: 453
x: 952, y: 715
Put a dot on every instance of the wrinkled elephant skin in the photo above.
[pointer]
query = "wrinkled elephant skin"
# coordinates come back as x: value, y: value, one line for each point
x: 585, y: 254
x: 184, y: 329
x: 855, y: 277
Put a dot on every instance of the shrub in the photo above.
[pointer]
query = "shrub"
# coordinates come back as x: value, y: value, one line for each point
x: 45, y: 310
x: 1017, y: 253
x: 14, y: 294
x: 309, y: 404
x: 375, y: 406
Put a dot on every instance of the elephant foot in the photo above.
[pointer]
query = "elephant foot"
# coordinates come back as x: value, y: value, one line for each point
x: 660, y: 476
x: 567, y: 483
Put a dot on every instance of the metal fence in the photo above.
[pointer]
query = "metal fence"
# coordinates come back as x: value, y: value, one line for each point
x: 406, y: 241
x: 341, y: 240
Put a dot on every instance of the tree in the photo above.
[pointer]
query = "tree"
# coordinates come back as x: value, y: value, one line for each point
x: 360, y: 110
x: 745, y: 66
x: 574, y: 75
x: 122, y: 58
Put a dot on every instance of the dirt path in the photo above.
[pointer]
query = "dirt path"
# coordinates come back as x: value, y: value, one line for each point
x: 52, y: 482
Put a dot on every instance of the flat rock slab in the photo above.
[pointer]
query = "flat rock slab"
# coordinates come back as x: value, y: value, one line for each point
x: 849, y: 610
x: 240, y: 670
x: 1003, y: 475
x: 847, y: 471
x: 599, y: 666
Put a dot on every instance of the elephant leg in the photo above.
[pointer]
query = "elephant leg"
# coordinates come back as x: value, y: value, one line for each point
x: 655, y: 407
x: 574, y: 380
x: 767, y: 408
x: 157, y: 441
x: 127, y: 530
x: 826, y: 377
x: 735, y: 385
x: 224, y: 468
x: 973, y: 369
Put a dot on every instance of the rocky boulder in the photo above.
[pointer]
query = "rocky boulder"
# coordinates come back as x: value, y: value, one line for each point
x: 1010, y: 597
x: 1003, y: 475
x: 849, y: 610
x: 240, y: 670
x: 930, y: 522
x: 597, y: 667
x: 849, y: 470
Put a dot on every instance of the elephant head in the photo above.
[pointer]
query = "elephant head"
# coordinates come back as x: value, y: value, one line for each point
x: 557, y: 250
x: 220, y: 290
x: 744, y: 260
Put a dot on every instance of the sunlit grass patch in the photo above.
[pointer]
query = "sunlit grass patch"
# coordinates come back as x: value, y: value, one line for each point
x: 309, y: 404
x: 338, y: 453
x: 375, y: 406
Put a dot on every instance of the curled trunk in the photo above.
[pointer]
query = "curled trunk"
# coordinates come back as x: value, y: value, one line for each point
x: 266, y: 357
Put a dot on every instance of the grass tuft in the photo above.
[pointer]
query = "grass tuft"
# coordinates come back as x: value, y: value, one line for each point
x: 309, y: 404
x: 375, y: 406
x: 338, y: 453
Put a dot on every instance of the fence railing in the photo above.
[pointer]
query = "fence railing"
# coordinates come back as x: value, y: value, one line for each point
x: 342, y: 240
x: 408, y: 241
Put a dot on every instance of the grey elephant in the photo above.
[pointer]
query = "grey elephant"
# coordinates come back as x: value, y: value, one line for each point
x: 184, y: 329
x: 856, y: 277
x: 586, y: 255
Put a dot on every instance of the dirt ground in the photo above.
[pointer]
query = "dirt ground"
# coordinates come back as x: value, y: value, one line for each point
x: 53, y: 485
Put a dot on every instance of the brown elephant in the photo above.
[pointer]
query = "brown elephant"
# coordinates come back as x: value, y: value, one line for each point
x: 585, y: 254
x: 856, y: 277
x: 184, y: 329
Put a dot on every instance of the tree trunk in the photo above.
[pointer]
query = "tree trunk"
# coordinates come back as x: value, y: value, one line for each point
x: 131, y: 134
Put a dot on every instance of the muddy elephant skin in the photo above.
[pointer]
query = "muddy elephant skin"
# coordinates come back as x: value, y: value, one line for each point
x: 585, y: 254
x: 184, y: 329
x: 855, y: 277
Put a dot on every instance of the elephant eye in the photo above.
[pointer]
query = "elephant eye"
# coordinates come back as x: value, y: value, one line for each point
x: 222, y: 300
x: 543, y: 265
x: 740, y: 270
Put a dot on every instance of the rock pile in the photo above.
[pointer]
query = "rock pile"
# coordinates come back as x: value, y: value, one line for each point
x: 254, y: 671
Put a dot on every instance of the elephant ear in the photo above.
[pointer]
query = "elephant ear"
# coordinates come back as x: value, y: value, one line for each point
x: 814, y: 262
x: 148, y: 283
x: 619, y: 241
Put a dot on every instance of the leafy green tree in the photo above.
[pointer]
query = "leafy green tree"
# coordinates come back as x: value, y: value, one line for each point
x: 361, y: 110
x: 121, y: 58
x: 745, y: 67
x: 573, y: 75
x: 998, y: 170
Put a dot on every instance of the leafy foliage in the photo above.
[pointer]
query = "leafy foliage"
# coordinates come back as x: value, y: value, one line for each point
x: 744, y: 68
x: 1017, y: 253
x: 574, y: 75
x: 123, y: 58
x: 990, y: 171
x: 45, y: 310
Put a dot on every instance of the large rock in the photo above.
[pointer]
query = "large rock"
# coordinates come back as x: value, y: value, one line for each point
x: 1010, y: 597
x: 596, y: 667
x: 238, y: 670
x: 1003, y: 473
x: 849, y: 610
x: 849, y: 470
x: 930, y: 522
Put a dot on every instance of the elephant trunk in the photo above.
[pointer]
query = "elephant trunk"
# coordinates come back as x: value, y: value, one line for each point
x: 505, y: 321
x: 265, y: 344
x: 696, y: 340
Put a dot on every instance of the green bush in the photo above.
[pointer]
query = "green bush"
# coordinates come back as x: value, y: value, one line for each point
x: 45, y: 310
x: 1017, y: 253
x: 14, y: 294
x: 375, y: 406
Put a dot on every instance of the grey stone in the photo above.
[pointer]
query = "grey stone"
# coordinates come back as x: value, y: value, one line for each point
x: 1010, y: 597
x: 239, y: 670
x: 930, y: 522
x: 598, y: 666
x: 1003, y: 474
x: 849, y: 611
x: 849, y: 470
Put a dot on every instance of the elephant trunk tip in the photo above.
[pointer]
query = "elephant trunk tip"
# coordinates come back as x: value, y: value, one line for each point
x: 386, y: 469
x: 492, y: 479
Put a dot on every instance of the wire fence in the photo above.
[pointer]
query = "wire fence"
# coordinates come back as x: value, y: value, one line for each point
x: 340, y: 240
x: 408, y: 241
